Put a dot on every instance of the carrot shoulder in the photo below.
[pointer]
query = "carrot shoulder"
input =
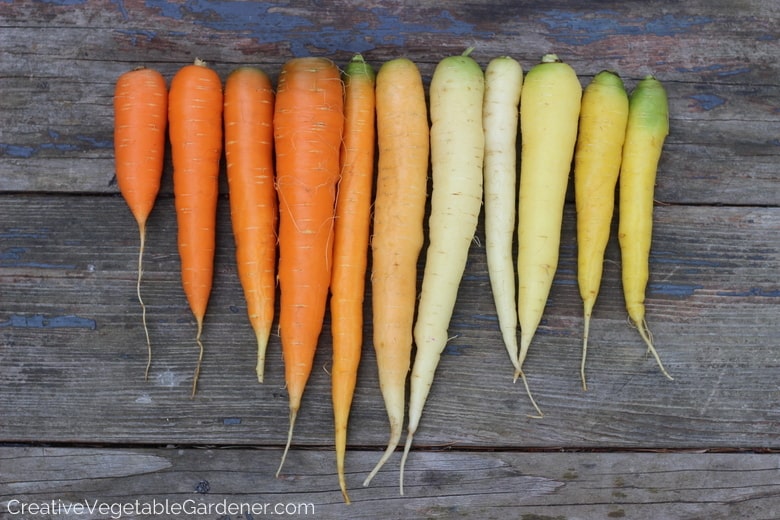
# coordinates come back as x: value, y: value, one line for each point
x: 249, y: 105
x: 308, y: 126
x: 195, y: 125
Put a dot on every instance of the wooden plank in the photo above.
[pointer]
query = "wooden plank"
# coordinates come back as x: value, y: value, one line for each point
x: 449, y: 484
x: 723, y: 87
x: 72, y: 351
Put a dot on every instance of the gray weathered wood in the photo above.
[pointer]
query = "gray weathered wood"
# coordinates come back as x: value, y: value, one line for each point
x: 72, y: 335
x: 72, y: 351
x: 446, y: 484
x: 722, y: 149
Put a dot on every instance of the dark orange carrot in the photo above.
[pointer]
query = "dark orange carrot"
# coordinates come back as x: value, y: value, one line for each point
x: 308, y: 126
x: 195, y: 125
x: 140, y: 120
x: 248, y: 116
x: 350, y: 249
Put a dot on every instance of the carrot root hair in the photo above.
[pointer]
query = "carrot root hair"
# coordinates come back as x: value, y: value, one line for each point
x: 395, y: 439
x: 293, y: 416
x: 647, y: 336
x: 262, y: 345
x: 520, y: 374
x: 407, y: 447
x: 200, y: 358
x: 141, y: 247
x: 587, y: 312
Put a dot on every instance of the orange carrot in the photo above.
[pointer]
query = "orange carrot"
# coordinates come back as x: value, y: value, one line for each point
x: 140, y: 119
x: 308, y: 126
x: 399, y: 209
x: 249, y: 106
x: 350, y: 248
x: 195, y: 125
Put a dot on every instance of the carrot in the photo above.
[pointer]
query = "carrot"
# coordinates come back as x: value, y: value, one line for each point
x: 550, y: 107
x: 308, y: 127
x: 140, y: 119
x: 399, y: 212
x: 648, y: 126
x: 350, y: 247
x: 597, y: 157
x: 457, y: 153
x: 195, y: 125
x: 503, y: 84
x: 248, y: 117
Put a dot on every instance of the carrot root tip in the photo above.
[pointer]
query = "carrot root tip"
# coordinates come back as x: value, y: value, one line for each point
x: 584, y: 351
x: 539, y: 413
x: 293, y: 416
x: 395, y: 438
x: 407, y: 447
x: 141, y: 248
x: 200, y: 358
x: 647, y: 336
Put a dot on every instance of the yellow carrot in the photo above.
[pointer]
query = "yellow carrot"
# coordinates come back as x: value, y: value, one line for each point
x: 597, y: 158
x: 648, y: 126
x: 549, y: 114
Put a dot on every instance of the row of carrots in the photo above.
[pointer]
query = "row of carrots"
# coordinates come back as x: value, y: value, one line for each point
x: 333, y: 165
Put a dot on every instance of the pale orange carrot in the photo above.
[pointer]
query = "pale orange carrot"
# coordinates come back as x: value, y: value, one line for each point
x: 399, y: 210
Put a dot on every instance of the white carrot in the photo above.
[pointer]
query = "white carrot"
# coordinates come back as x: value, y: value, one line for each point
x: 503, y: 83
x: 457, y: 152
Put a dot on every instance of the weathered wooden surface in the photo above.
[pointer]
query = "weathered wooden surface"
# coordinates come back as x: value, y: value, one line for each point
x: 531, y: 486
x: 72, y: 351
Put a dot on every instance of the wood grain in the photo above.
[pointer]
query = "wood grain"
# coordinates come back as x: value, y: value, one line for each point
x: 78, y: 422
x: 530, y: 486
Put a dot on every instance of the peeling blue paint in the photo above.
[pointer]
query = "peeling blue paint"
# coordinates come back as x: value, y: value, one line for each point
x: 269, y: 23
x: 63, y: 2
x: 39, y: 321
x: 13, y: 150
x: 673, y: 289
x: 12, y: 257
x: 135, y: 34
x: 753, y: 291
x: 707, y: 102
x: 719, y: 69
x: 231, y: 421
x: 577, y: 28
x: 455, y: 349
x: 120, y: 5
x: 60, y: 147
x: 17, y: 233
x: 26, y: 151
x: 12, y: 253
x: 668, y: 257
x: 95, y: 143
